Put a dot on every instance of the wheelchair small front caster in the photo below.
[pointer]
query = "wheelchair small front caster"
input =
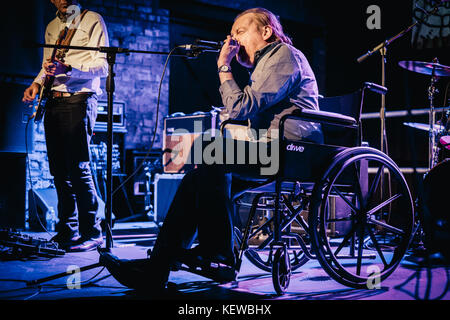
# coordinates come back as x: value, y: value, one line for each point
x: 281, y: 271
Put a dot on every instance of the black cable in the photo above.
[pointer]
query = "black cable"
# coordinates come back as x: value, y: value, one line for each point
x: 156, y: 127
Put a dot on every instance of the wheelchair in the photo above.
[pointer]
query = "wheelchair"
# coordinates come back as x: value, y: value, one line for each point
x: 327, y: 202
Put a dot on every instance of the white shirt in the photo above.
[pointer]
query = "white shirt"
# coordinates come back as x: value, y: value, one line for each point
x: 87, y: 66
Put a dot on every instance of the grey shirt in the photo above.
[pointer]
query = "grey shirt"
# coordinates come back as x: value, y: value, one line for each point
x: 281, y: 82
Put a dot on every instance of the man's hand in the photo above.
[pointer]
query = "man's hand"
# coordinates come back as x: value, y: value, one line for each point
x: 55, y: 68
x: 229, y: 50
x: 31, y: 92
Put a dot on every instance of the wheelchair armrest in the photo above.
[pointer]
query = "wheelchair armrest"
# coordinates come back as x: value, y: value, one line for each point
x: 232, y: 121
x: 375, y: 88
x: 323, y: 117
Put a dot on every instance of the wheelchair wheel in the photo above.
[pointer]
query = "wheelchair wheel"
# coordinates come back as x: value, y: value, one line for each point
x: 375, y: 223
x: 281, y: 271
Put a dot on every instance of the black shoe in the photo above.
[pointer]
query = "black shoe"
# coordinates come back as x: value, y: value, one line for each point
x: 138, y: 274
x: 84, y: 245
x: 65, y: 240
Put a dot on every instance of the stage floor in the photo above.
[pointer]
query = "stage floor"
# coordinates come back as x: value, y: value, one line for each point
x: 310, y: 282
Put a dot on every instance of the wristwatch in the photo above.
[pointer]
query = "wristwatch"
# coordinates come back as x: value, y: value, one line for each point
x: 224, y: 68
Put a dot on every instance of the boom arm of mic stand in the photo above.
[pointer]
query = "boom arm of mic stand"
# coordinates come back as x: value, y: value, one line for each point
x: 106, y: 49
x: 386, y: 43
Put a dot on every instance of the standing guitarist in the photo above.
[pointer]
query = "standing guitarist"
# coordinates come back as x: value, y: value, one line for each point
x: 71, y: 111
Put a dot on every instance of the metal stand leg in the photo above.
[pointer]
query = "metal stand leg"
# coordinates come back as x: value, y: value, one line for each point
x: 60, y: 275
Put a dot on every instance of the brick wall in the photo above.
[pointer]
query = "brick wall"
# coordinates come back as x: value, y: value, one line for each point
x: 138, y: 25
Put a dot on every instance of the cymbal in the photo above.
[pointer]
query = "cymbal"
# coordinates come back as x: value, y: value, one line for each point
x: 440, y: 70
x: 423, y: 126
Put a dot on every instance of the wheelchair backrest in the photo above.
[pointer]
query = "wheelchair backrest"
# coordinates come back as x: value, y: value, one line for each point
x: 348, y: 105
x: 307, y: 161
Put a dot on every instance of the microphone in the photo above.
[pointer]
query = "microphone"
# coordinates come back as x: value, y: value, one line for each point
x: 213, y: 44
x: 203, y: 45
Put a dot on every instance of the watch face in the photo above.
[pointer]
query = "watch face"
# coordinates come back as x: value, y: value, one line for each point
x: 224, y: 68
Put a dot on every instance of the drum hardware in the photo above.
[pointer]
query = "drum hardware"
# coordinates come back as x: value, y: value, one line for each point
x: 441, y: 140
x: 435, y: 69
x: 382, y: 49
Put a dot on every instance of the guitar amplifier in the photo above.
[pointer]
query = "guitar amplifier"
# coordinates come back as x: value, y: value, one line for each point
x: 118, y: 117
x: 180, y: 132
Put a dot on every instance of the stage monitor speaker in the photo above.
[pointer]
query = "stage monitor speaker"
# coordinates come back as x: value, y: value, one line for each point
x: 14, y: 116
x: 12, y: 190
x: 44, y: 202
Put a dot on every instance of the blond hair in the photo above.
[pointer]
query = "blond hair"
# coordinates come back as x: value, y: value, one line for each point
x: 264, y: 17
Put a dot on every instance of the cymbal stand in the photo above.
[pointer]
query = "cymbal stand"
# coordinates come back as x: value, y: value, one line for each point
x: 382, y: 49
x: 432, y: 152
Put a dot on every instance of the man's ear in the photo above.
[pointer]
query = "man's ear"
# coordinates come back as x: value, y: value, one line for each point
x: 267, y: 32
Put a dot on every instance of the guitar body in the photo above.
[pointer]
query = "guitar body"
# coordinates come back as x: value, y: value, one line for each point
x: 43, y: 97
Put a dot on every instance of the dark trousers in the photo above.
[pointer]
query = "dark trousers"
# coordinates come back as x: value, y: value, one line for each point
x: 203, y: 208
x: 69, y: 124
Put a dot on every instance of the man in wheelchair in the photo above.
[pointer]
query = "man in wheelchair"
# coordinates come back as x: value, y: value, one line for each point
x: 281, y: 81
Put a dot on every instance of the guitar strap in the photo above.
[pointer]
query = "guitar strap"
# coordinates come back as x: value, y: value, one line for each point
x: 66, y: 35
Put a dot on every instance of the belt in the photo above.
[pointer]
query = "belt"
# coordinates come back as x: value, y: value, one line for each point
x: 58, y: 94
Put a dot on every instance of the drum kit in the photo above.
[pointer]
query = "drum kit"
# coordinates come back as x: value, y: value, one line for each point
x: 439, y: 133
x: 434, y: 209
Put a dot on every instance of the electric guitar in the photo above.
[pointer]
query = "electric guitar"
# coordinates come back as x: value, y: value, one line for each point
x: 47, y: 85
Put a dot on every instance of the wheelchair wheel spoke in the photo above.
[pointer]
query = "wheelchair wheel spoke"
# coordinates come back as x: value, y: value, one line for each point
x: 375, y: 182
x: 358, y: 191
x: 387, y: 226
x: 383, y: 204
x: 345, y: 240
x: 347, y: 201
x: 360, y: 250
x: 377, y: 247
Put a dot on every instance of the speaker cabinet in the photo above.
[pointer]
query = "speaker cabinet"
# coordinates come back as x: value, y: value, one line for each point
x: 12, y: 190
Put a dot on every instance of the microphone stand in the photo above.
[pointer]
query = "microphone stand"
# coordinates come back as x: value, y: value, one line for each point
x: 111, y: 53
x: 382, y: 49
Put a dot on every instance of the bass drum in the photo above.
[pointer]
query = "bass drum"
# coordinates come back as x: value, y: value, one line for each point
x: 436, y: 209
